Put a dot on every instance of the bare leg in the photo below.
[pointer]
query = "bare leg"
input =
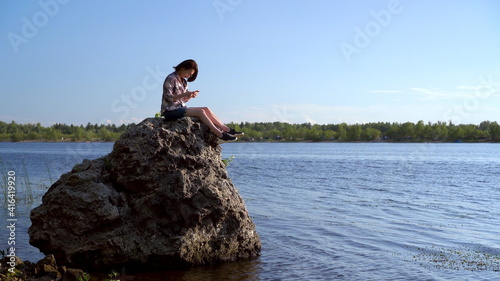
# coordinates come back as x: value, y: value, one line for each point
x: 200, y: 113
x: 215, y: 119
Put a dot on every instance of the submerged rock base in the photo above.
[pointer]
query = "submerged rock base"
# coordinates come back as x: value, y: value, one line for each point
x: 161, y: 199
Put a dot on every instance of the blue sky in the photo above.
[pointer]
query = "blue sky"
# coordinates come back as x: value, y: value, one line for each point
x: 318, y: 61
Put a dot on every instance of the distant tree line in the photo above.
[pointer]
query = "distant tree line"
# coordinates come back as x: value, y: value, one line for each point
x: 60, y: 132
x: 276, y: 131
x: 407, y: 132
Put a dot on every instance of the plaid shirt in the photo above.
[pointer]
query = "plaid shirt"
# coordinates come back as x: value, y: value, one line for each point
x: 172, y: 87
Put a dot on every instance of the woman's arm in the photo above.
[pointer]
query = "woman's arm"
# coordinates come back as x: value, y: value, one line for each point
x: 169, y: 90
x: 185, y: 96
x: 190, y: 95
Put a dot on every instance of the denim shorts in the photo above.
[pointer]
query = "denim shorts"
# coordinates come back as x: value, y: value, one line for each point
x: 174, y: 114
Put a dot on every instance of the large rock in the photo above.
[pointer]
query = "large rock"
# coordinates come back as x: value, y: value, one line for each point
x: 162, y: 198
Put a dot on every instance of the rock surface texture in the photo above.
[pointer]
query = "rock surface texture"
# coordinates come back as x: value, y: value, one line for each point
x: 161, y: 199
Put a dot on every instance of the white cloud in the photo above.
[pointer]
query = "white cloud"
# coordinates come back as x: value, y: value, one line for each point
x: 461, y: 92
x: 385, y: 91
x: 127, y: 121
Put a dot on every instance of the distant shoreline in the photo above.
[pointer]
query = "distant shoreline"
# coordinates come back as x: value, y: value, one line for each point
x: 486, y: 131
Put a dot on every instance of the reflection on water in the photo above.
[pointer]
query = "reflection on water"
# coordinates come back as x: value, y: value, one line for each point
x: 243, y: 270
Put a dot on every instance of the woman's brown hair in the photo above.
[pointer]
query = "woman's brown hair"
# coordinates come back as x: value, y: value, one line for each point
x: 188, y: 64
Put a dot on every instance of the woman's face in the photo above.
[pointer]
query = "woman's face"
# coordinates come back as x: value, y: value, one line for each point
x: 186, y: 73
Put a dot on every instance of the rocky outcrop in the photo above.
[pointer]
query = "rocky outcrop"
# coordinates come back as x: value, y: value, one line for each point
x: 162, y: 198
x: 14, y: 269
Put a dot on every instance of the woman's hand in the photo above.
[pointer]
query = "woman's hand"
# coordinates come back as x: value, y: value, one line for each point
x: 188, y: 95
x: 194, y: 94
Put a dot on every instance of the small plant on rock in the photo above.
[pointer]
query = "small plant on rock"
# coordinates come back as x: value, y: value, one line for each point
x: 112, y: 276
x: 84, y: 277
x: 228, y: 160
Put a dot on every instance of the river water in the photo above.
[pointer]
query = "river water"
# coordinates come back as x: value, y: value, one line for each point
x: 328, y: 211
